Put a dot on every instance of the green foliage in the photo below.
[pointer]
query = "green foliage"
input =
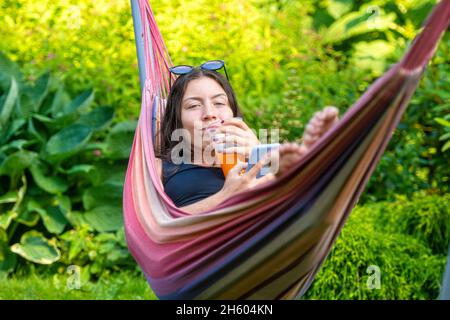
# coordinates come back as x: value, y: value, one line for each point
x: 407, y: 241
x: 126, y: 285
x: 63, y: 149
x: 96, y: 254
x: 56, y: 159
x: 414, y: 158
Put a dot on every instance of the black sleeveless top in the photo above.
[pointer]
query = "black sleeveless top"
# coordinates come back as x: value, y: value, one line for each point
x: 188, y: 183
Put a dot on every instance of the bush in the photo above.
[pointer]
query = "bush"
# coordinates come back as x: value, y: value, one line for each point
x: 406, y: 240
x: 62, y: 167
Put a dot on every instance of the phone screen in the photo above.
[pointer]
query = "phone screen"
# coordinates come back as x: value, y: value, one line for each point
x: 257, y: 154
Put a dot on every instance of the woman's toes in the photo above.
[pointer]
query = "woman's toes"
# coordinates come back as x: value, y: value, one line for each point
x: 331, y: 113
x: 309, y: 139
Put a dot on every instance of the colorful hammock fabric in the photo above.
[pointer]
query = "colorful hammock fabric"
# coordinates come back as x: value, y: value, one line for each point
x: 269, y: 242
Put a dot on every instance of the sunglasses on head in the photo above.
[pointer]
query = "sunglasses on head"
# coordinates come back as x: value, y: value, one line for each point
x: 212, y: 65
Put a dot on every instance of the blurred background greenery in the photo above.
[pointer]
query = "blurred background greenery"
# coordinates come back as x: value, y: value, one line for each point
x: 69, y: 101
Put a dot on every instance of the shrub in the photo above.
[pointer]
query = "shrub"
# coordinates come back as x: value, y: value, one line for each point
x: 62, y: 167
x: 406, y: 240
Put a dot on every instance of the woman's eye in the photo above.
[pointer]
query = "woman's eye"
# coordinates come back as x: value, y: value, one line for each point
x: 193, y: 106
x: 220, y: 104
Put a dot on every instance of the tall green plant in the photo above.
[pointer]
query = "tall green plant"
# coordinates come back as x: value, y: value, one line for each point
x: 61, y: 167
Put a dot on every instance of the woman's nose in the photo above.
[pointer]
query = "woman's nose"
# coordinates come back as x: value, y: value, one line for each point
x: 209, y: 112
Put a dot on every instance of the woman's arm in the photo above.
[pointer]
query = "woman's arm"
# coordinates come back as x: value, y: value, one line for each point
x: 235, y: 183
x: 202, y: 205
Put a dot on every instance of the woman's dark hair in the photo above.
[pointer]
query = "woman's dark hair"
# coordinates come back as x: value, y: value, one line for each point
x: 172, y: 115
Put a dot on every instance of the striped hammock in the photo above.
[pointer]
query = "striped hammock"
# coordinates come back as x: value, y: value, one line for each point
x: 267, y: 243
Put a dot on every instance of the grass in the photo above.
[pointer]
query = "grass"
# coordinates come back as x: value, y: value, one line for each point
x: 114, y: 287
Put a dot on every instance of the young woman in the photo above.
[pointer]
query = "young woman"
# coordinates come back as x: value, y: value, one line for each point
x: 203, y: 104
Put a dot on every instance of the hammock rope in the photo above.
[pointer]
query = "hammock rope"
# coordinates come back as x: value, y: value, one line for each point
x: 269, y: 242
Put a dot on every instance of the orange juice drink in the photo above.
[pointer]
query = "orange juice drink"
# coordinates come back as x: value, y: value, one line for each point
x: 228, y: 161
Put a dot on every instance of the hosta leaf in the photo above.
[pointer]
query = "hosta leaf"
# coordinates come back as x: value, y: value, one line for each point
x: 39, y: 91
x: 37, y: 131
x: 77, y: 219
x: 7, y: 218
x: 53, y: 219
x: 67, y: 142
x: 28, y: 218
x: 356, y: 23
x: 105, y: 218
x: 51, y: 184
x: 60, y: 99
x: 36, y: 248
x: 8, y: 259
x: 17, y: 162
x: 102, y: 195
x: 120, y: 139
x: 10, y: 130
x: 9, y: 68
x: 80, y: 103
x: 98, y: 118
x: 9, y: 197
x: 80, y: 168
x: 7, y: 103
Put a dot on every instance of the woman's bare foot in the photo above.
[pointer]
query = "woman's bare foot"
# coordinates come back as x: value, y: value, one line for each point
x: 321, y: 122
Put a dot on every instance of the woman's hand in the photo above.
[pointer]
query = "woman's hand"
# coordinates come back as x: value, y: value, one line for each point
x: 236, y: 137
x: 237, y: 182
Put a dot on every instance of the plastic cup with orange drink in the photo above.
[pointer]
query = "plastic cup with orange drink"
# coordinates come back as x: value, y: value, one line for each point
x: 227, y: 160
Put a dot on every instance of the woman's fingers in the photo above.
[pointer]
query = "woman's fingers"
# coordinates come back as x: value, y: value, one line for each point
x: 232, y: 130
x: 244, y: 151
x: 230, y: 140
x: 236, y: 170
x: 266, y: 178
x: 237, y: 122
x: 255, y: 169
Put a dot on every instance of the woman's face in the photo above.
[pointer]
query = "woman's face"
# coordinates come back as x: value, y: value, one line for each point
x: 204, y: 103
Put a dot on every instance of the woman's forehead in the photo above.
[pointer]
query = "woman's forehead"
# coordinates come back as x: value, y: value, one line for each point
x: 204, y: 86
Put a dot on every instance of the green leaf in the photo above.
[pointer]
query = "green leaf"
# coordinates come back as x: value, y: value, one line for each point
x: 9, y: 197
x: 442, y: 121
x: 7, y: 218
x: 51, y: 184
x: 28, y: 218
x: 80, y: 168
x: 80, y: 103
x: 60, y: 99
x: 76, y: 219
x: 444, y: 137
x: 102, y: 195
x: 15, y: 163
x: 67, y: 142
x: 9, y: 69
x: 39, y: 91
x: 98, y: 119
x: 358, y: 23
x: 7, y: 105
x: 120, y: 139
x: 53, y: 219
x: 36, y: 248
x: 8, y: 260
x: 105, y: 218
x: 9, y: 130
x: 336, y: 8
x: 446, y: 146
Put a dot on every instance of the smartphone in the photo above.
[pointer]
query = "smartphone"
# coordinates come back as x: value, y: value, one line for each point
x: 257, y: 153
